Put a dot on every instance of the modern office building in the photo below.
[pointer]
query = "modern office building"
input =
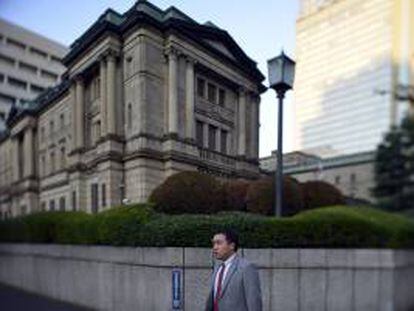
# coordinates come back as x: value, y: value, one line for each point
x: 354, y: 63
x: 29, y: 63
x: 147, y: 93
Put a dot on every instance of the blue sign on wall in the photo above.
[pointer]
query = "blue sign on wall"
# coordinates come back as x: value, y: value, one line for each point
x: 176, y: 288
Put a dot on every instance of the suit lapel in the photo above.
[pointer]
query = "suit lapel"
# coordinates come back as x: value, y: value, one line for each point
x: 230, y: 273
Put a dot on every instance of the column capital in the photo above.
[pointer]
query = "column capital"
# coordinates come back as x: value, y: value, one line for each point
x: 172, y: 52
x: 78, y: 78
x: 190, y: 60
x: 110, y: 54
x: 102, y: 58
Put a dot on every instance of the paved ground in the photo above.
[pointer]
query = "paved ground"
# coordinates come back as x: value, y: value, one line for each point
x: 16, y: 300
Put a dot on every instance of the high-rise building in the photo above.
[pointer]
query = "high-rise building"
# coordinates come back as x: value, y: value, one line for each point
x: 29, y: 63
x: 354, y: 61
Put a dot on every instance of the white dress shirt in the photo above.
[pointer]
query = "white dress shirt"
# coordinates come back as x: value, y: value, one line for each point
x: 227, y: 265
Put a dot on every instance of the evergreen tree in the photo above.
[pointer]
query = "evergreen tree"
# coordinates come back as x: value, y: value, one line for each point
x: 394, y: 168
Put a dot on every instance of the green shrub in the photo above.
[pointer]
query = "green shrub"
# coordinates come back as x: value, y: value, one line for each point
x: 328, y: 227
x: 115, y: 224
x: 261, y: 196
x: 319, y: 193
x: 188, y: 192
x: 235, y: 195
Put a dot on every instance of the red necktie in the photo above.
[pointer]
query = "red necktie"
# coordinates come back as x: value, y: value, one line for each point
x: 218, y: 291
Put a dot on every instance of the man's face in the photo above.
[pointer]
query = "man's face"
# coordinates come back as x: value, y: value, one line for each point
x: 222, y: 249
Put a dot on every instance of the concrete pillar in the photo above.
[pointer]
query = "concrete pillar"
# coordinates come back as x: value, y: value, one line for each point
x: 74, y: 122
x: 190, y: 120
x: 103, y: 84
x: 242, y: 123
x: 28, y: 152
x: 111, y: 104
x: 172, y: 92
x: 80, y: 112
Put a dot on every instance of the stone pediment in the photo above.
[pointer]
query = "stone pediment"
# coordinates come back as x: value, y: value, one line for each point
x: 220, y: 47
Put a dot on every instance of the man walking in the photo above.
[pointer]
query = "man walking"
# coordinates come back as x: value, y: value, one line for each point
x: 235, y: 284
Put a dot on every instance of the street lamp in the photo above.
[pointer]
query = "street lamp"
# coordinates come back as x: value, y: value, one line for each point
x: 281, y: 75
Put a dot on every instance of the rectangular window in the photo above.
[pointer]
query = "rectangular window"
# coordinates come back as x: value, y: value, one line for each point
x: 211, y: 93
x: 222, y: 97
x: 62, y: 157
x: 62, y: 204
x: 43, y: 206
x: 15, y: 44
x: 6, y: 60
x: 27, y: 67
x: 52, y: 162
x: 223, y: 143
x: 38, y: 52
x: 51, y: 127
x: 94, y: 198
x: 55, y: 59
x: 74, y: 200
x: 36, y: 89
x: 103, y: 195
x: 212, y: 137
x: 62, y: 120
x: 52, y: 205
x: 17, y: 83
x: 7, y: 99
x: 1, y: 78
x: 201, y: 84
x: 49, y: 75
x: 199, y: 133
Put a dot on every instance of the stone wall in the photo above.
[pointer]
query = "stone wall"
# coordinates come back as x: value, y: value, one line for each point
x: 125, y: 278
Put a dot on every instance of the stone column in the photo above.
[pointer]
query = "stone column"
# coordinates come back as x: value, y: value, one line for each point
x: 172, y: 92
x: 190, y: 119
x: 103, y: 83
x: 15, y: 158
x: 205, y: 135
x: 80, y: 113
x: 254, y: 126
x: 218, y: 140
x: 74, y: 115
x: 111, y: 100
x: 242, y: 123
x: 28, y: 152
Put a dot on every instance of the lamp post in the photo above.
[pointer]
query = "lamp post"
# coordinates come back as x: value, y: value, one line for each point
x: 281, y: 75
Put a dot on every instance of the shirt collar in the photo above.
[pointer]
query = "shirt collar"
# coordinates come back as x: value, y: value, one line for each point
x: 229, y: 260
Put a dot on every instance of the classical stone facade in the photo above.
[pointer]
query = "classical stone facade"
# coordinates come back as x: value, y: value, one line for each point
x: 147, y: 93
x: 353, y: 174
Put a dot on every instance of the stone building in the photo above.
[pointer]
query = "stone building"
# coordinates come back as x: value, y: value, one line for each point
x: 147, y: 93
x: 29, y: 63
x: 352, y: 174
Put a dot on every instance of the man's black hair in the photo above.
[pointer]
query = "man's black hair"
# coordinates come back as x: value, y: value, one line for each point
x: 231, y: 236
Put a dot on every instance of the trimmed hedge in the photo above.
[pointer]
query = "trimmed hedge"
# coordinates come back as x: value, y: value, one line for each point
x: 261, y: 196
x: 330, y: 227
x: 188, y: 192
x: 318, y: 193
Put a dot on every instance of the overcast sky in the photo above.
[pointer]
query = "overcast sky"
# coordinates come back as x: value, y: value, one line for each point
x: 261, y: 28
